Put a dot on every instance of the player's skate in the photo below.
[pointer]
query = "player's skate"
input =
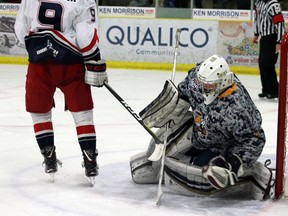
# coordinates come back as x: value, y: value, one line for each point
x: 50, y: 161
x: 90, y: 164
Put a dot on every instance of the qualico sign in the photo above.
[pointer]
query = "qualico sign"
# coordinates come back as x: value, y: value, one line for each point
x: 116, y: 35
x: 152, y: 40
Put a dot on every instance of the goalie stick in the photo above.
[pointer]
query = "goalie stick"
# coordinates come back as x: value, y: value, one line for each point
x: 157, y: 153
x: 129, y: 109
x: 160, y: 149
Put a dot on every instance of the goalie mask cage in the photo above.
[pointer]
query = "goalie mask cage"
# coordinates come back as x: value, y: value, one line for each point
x: 281, y: 189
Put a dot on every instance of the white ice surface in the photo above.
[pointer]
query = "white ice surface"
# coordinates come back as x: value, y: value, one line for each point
x: 26, y: 190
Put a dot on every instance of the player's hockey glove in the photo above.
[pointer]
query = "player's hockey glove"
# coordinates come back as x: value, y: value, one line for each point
x: 96, y: 74
x: 221, y: 173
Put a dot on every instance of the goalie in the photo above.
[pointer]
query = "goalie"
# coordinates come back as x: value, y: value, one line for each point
x: 214, y: 137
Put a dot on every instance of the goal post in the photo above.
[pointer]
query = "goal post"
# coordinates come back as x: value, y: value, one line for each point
x: 282, y: 123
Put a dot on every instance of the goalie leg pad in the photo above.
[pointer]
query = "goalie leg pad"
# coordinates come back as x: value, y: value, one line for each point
x: 144, y: 171
x: 262, y: 186
x: 185, y: 178
x: 179, y: 136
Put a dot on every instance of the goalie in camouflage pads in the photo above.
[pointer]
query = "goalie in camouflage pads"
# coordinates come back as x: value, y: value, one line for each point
x: 214, y: 137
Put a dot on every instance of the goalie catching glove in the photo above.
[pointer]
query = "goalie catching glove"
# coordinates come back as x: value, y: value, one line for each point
x: 221, y: 173
x: 95, y: 73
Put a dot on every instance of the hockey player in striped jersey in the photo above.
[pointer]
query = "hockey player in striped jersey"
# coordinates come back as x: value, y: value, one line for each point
x: 61, y: 38
x: 214, y: 146
x: 270, y: 26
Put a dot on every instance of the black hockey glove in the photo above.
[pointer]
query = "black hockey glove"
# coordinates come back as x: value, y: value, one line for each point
x: 96, y: 74
x: 221, y: 173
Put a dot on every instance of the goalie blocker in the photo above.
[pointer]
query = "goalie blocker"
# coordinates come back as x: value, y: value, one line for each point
x: 166, y: 107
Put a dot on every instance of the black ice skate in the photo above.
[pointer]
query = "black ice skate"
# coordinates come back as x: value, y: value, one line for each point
x: 90, y: 164
x: 50, y: 160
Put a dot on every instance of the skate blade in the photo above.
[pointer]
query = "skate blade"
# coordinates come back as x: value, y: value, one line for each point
x: 52, y: 175
x: 92, y: 181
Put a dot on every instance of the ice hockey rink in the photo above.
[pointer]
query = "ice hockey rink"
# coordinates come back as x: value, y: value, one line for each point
x: 26, y: 190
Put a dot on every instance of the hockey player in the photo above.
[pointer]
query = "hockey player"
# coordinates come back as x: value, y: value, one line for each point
x: 215, y: 145
x: 61, y: 38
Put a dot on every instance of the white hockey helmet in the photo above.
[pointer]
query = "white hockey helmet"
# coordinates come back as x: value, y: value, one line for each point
x: 214, y: 76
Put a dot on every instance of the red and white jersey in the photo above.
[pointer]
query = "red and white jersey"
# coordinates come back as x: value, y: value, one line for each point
x: 59, y: 26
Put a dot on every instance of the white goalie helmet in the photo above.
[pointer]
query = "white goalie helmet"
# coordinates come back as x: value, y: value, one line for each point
x: 214, y: 76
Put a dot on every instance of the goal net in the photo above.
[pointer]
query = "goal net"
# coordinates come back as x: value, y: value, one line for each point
x: 281, y: 178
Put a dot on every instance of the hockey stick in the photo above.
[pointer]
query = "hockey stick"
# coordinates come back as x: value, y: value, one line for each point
x: 129, y: 109
x: 158, y: 151
x: 162, y: 150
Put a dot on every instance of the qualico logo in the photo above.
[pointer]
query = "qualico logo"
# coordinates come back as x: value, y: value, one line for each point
x: 118, y: 35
